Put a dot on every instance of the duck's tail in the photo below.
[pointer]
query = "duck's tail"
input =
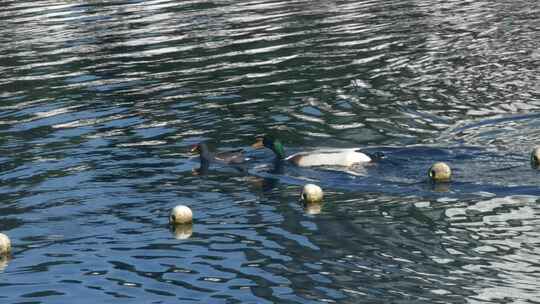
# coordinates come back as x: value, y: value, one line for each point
x: 375, y: 156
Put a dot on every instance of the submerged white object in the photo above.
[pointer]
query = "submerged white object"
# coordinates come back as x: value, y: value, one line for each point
x: 312, y: 194
x: 182, y: 231
x: 181, y: 215
x: 4, y: 261
x: 5, y: 244
x: 313, y: 208
x: 343, y: 157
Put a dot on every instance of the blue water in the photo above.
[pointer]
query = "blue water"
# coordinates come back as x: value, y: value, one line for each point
x: 101, y: 102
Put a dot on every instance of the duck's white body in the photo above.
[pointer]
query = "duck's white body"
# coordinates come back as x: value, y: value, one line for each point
x: 342, y: 157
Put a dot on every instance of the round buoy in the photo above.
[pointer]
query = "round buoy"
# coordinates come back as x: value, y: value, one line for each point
x: 440, y: 172
x: 535, y: 157
x: 5, y: 244
x: 311, y: 194
x: 181, y: 215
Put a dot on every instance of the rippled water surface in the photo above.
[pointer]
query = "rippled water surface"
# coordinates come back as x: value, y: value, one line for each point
x: 102, y: 100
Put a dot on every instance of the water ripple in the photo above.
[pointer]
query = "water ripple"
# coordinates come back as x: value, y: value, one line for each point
x: 101, y: 102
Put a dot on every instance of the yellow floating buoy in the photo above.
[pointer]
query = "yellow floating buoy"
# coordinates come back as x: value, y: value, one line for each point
x: 181, y: 215
x: 535, y: 157
x: 440, y: 172
x: 5, y: 244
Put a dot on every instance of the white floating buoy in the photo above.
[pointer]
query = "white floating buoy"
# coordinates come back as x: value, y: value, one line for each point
x: 535, y: 157
x: 311, y: 194
x: 5, y: 244
x: 181, y: 215
x: 440, y: 172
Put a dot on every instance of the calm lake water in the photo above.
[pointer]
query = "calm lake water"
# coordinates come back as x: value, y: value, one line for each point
x: 102, y: 100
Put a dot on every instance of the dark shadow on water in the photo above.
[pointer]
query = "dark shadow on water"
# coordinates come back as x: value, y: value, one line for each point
x: 403, y: 170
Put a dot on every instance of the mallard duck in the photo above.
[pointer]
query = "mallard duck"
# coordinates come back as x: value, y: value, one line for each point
x: 226, y: 157
x: 440, y: 172
x: 337, y: 157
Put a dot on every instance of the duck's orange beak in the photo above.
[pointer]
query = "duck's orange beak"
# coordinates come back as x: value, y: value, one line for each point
x: 259, y: 143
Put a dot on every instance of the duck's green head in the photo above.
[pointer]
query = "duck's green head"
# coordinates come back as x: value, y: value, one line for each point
x: 270, y: 143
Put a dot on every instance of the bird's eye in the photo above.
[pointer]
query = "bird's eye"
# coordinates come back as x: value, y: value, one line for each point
x: 304, y: 196
x: 432, y: 173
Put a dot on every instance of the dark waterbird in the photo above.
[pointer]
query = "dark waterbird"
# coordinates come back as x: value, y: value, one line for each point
x: 226, y: 157
x: 235, y: 158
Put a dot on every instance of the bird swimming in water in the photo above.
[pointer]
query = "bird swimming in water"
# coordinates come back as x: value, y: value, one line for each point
x: 231, y: 157
x: 331, y: 157
x: 226, y: 157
